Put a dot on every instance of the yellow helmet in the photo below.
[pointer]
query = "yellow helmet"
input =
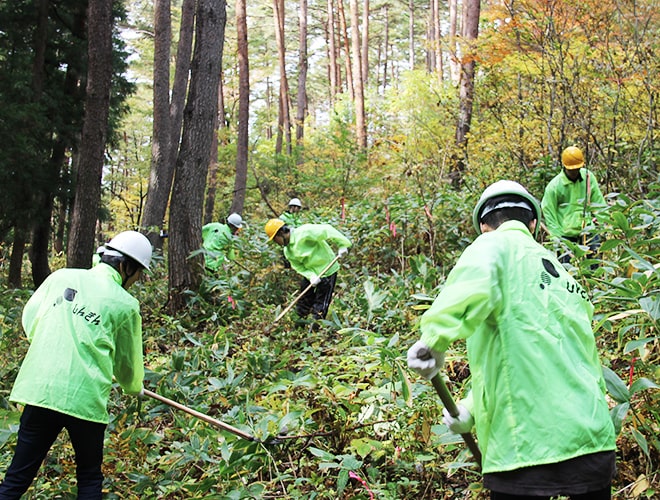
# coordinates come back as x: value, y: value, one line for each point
x: 272, y: 227
x: 572, y: 158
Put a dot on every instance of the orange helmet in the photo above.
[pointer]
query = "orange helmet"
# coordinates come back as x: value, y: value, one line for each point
x: 272, y: 227
x: 572, y: 158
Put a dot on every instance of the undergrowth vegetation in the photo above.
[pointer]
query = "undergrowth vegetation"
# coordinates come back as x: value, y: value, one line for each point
x: 335, y: 413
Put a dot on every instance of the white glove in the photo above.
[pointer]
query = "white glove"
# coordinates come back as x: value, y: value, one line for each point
x: 461, y: 424
x: 425, y: 360
x: 342, y: 251
x: 314, y: 280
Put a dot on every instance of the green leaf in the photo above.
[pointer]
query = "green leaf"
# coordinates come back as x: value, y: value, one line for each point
x: 615, y: 386
x: 651, y: 305
x: 636, y: 344
x: 610, y: 244
x: 641, y: 441
x: 322, y: 454
x: 342, y: 480
x: 641, y: 384
x: 618, y: 415
x: 406, y: 386
x: 351, y: 463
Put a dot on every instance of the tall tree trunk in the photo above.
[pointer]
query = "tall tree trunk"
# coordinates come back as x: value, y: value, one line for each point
x: 94, y: 132
x: 160, y: 182
x: 466, y: 97
x: 365, y: 43
x: 161, y: 144
x: 454, y: 63
x: 411, y: 34
x: 301, y: 102
x: 185, y: 273
x: 240, y: 181
x: 358, y: 90
x: 437, y: 38
x: 284, y: 119
x: 386, y: 45
x: 347, y: 48
x: 333, y: 69
x: 212, y: 182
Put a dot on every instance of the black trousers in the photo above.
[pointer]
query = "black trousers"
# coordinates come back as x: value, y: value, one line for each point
x: 317, y: 299
x: 37, y: 432
x: 603, y: 494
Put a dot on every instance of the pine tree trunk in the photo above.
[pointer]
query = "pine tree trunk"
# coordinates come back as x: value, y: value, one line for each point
x: 358, y: 90
x: 301, y: 101
x: 95, y: 128
x: 240, y: 181
x: 185, y: 234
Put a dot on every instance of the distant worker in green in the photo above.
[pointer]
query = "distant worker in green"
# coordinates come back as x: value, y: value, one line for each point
x: 570, y: 201
x: 292, y: 216
x: 84, y: 329
x: 537, y: 398
x: 218, y: 241
x: 308, y: 250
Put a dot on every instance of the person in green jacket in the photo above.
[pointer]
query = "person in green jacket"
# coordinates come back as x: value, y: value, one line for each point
x: 291, y: 216
x: 537, y: 398
x: 218, y: 241
x: 84, y: 328
x: 570, y: 201
x: 308, y: 250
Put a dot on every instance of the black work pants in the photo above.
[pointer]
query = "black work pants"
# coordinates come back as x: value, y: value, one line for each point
x: 603, y: 494
x: 317, y: 299
x: 37, y: 432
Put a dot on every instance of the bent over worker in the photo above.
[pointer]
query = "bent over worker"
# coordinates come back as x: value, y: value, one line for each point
x: 308, y: 250
x: 218, y: 241
x: 537, y: 400
x: 84, y: 328
x: 570, y: 201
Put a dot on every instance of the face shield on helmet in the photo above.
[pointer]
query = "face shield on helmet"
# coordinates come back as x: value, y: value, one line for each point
x: 131, y: 244
x: 500, y: 188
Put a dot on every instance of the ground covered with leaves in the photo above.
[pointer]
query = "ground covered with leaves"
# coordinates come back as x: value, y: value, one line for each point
x: 334, y: 412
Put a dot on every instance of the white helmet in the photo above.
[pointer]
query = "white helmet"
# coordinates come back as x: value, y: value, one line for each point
x: 500, y: 188
x: 295, y: 202
x: 131, y: 244
x: 235, y: 220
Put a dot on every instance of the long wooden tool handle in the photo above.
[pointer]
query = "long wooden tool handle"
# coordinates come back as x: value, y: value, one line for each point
x: 448, y: 402
x: 281, y: 315
x: 201, y: 416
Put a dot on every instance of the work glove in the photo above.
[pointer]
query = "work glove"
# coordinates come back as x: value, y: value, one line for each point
x: 462, y: 424
x: 342, y: 251
x: 315, y: 280
x: 425, y: 360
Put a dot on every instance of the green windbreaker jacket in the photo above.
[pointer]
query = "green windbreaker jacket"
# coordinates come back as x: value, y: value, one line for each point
x: 537, y: 386
x: 563, y: 203
x: 83, y: 328
x: 217, y: 238
x: 308, y: 250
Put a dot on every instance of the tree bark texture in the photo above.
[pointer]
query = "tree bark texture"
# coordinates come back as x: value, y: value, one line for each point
x: 162, y: 173
x: 284, y: 117
x: 333, y: 69
x: 185, y: 235
x: 466, y: 93
x: 301, y: 101
x: 358, y: 90
x: 240, y: 181
x: 95, y: 128
x: 161, y: 142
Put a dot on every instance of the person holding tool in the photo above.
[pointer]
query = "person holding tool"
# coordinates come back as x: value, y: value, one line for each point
x: 291, y: 216
x: 84, y: 328
x: 308, y: 250
x: 537, y: 400
x: 218, y: 241
x: 570, y: 200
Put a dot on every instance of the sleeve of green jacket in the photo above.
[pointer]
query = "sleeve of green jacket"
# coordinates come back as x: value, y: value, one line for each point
x: 466, y: 301
x: 549, y: 205
x: 128, y: 363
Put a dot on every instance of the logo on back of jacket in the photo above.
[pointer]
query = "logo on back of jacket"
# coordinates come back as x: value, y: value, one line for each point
x: 550, y: 274
x: 90, y: 316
